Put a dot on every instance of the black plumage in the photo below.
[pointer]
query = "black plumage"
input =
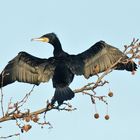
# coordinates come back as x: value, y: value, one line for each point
x: 62, y: 67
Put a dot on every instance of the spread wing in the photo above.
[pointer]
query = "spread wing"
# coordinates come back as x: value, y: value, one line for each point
x: 27, y: 68
x: 97, y: 59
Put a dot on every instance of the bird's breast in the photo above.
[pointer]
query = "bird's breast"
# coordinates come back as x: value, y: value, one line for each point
x: 62, y: 75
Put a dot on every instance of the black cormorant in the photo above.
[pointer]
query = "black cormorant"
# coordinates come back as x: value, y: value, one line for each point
x: 62, y: 67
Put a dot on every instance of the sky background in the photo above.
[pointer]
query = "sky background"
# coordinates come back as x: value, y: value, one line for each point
x: 78, y: 24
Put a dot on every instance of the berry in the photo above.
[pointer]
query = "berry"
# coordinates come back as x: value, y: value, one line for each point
x: 96, y: 115
x: 107, y: 117
x: 110, y: 94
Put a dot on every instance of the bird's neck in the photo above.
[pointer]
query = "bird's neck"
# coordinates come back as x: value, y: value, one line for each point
x: 58, y: 51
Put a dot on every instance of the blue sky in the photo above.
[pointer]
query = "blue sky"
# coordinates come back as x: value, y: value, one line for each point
x: 78, y: 24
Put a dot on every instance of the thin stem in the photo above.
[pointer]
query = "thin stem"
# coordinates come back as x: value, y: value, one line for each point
x: 1, y: 101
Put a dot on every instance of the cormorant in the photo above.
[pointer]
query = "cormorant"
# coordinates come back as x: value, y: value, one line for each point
x: 62, y: 67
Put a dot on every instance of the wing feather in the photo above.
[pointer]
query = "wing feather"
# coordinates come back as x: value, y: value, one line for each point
x: 27, y: 68
x: 99, y: 58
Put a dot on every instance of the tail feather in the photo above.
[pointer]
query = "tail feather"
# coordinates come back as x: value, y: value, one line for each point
x: 62, y: 94
x: 130, y: 66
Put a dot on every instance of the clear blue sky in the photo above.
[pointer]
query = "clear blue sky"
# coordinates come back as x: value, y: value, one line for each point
x: 78, y: 24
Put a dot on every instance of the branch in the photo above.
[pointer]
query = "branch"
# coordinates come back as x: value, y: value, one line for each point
x: 2, y: 137
x: 20, y: 115
x: 1, y: 101
x: 133, y: 49
x: 134, y: 46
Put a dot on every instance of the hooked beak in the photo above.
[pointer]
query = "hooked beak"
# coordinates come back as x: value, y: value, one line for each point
x: 41, y: 39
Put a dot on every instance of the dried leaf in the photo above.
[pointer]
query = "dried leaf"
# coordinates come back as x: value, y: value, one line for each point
x: 27, y: 119
x: 26, y: 127
x: 17, y: 115
x: 138, y: 56
x: 131, y: 52
x: 35, y: 119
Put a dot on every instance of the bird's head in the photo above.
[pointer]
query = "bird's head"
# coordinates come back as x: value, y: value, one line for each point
x: 49, y: 38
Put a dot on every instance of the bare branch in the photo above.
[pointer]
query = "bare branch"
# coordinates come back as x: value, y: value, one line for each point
x: 133, y: 50
x: 5, y: 137
x: 1, y: 101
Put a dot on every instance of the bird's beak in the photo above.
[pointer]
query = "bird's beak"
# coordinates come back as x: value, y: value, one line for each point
x: 41, y: 39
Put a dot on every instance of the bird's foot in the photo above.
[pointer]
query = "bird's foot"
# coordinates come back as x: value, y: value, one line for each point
x: 49, y: 106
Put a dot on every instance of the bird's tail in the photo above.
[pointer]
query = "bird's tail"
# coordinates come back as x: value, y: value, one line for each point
x: 62, y: 94
x: 129, y: 66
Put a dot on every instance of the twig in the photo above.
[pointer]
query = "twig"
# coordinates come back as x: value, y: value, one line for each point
x: 2, y: 109
x: 26, y: 97
x: 5, y: 137
x: 21, y: 103
x: 22, y: 115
